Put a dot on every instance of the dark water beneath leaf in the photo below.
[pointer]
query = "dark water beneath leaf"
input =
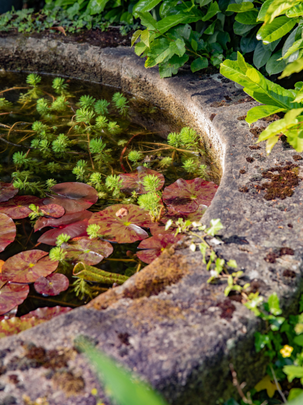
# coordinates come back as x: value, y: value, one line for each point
x: 143, y: 129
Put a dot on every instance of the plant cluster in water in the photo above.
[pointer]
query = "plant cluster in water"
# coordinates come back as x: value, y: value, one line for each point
x: 91, y: 189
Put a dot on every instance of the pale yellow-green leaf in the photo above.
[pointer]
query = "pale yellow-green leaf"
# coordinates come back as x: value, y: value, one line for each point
x: 271, y: 143
x: 293, y: 67
x: 145, y: 37
x: 135, y: 36
x: 268, y: 385
x: 299, y: 98
x: 278, y: 7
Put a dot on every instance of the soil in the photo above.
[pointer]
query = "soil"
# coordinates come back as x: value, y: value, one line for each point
x: 110, y: 38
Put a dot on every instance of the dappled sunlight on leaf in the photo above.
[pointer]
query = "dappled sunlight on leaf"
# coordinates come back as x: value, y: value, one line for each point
x: 52, y: 210
x: 66, y: 219
x: 17, y: 207
x: 134, y: 181
x: 90, y: 251
x: 53, y: 284
x: 12, y: 295
x: 7, y: 231
x: 73, y: 230
x: 155, y: 245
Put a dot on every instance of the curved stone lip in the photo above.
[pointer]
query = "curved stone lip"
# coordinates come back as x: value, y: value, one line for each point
x: 179, y: 332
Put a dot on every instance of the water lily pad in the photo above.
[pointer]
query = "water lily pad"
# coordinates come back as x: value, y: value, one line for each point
x: 66, y: 219
x: 73, y: 230
x: 17, y: 207
x: 7, y: 231
x: 53, y: 284
x: 16, y: 325
x: 185, y: 196
x: 12, y: 295
x: 52, y: 210
x: 90, y: 251
x: 159, y: 227
x: 28, y: 266
x: 134, y: 181
x: 121, y: 223
x: 73, y: 196
x: 155, y: 245
x: 7, y: 191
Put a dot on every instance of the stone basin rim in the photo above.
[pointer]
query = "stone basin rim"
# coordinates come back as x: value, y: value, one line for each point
x: 187, y: 370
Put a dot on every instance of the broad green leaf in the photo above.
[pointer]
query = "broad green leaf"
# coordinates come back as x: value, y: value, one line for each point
x: 274, y: 64
x: 248, y: 44
x: 147, y: 20
x: 274, y: 305
x: 166, y: 7
x: 263, y: 10
x: 96, y: 6
x: 123, y: 387
x: 170, y: 67
x: 262, y: 111
x: 273, y: 129
x: 293, y: 372
x: 261, y: 55
x: 140, y: 47
x: 270, y: 143
x: 295, y: 46
x: 212, y: 10
x: 290, y: 40
x: 261, y: 341
x: 241, y: 29
x: 295, y: 393
x: 299, y: 340
x: 145, y: 37
x: 159, y: 52
x: 232, y: 263
x: 296, y: 11
x: 263, y: 90
x: 204, y: 2
x: 278, y: 7
x: 299, y: 98
x: 210, y: 29
x: 145, y: 5
x: 295, y: 139
x: 248, y: 18
x: 293, y: 67
x: 296, y: 401
x: 198, y: 64
x: 135, y: 36
x: 171, y: 21
x: 275, y: 30
x: 178, y: 47
x: 240, y: 8
x: 215, y: 227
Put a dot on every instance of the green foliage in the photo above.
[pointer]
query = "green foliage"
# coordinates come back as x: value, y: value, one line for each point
x: 135, y: 156
x: 84, y: 115
x: 151, y: 183
x: 174, y: 139
x: 151, y: 202
x: 59, y: 85
x: 114, y: 184
x: 63, y: 238
x: 123, y: 387
x: 57, y: 253
x: 33, y: 79
x: 86, y: 101
x: 93, y: 231
x: 101, y: 107
x: 190, y: 165
x: 121, y: 103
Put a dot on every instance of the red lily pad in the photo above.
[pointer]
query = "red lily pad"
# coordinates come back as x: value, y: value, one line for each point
x: 134, y: 181
x: 16, y: 325
x: 121, y: 223
x: 52, y: 210
x: 159, y: 227
x: 7, y: 191
x: 66, y: 219
x: 12, y: 295
x: 53, y: 284
x: 73, y: 230
x: 7, y: 231
x: 185, y: 196
x: 155, y: 245
x: 17, y: 207
x: 90, y: 251
x: 73, y: 196
x: 28, y: 266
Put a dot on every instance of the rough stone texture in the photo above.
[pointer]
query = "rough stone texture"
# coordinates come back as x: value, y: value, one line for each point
x: 180, y: 333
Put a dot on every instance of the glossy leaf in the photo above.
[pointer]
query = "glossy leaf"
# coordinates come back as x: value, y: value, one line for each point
x: 16, y: 325
x: 93, y: 274
x: 7, y: 191
x: 240, y: 8
x: 73, y: 230
x: 276, y: 29
x: 17, y: 207
x: 12, y: 295
x: 293, y: 67
x: 28, y: 266
x: 262, y: 54
x: 90, y: 251
x: 134, y: 181
x: 66, y: 219
x: 53, y: 284
x: 52, y: 210
x: 121, y: 223
x: 7, y: 231
x: 198, y: 64
x: 155, y: 245
x: 262, y: 111
x: 73, y: 196
x: 185, y: 196
x: 274, y: 64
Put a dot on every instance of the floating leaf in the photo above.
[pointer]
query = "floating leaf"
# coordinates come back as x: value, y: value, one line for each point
x: 90, y: 273
x: 185, y: 196
x: 73, y: 230
x: 28, y: 266
x: 12, y: 295
x: 155, y: 245
x: 121, y: 223
x: 134, y: 181
x: 52, y: 210
x: 53, y: 284
x: 90, y: 251
x: 73, y: 196
x: 17, y: 207
x: 16, y: 325
x: 7, y: 191
x: 7, y: 231
x: 66, y: 219
x: 159, y: 227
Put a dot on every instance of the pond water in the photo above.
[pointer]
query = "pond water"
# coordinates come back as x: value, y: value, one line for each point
x: 86, y: 177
